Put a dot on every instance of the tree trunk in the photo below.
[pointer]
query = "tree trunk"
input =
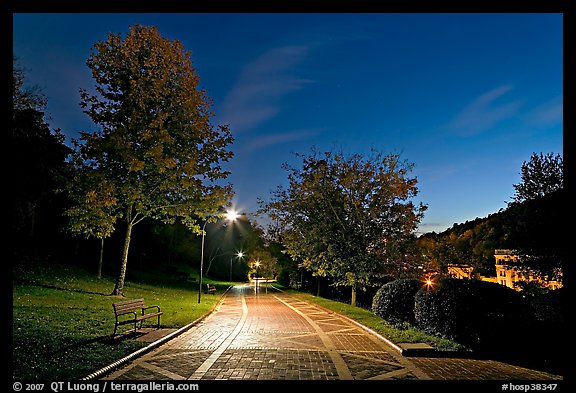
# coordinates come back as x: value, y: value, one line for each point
x: 99, y: 274
x: 208, y: 268
x: 318, y: 287
x: 122, y: 275
x: 353, y: 301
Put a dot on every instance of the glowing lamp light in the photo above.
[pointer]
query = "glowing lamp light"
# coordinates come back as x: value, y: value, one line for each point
x: 232, y: 215
x: 428, y: 281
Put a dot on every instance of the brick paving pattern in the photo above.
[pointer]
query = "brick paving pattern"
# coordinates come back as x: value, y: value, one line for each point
x: 275, y: 336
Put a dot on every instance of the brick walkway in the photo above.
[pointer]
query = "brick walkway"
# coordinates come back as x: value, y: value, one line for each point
x: 275, y: 336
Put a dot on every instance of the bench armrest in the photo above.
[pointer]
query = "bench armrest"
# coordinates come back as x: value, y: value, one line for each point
x: 147, y: 308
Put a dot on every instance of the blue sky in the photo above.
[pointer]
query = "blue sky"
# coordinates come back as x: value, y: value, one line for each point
x: 465, y: 97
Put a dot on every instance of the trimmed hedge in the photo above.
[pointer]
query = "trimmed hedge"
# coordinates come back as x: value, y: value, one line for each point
x: 394, y: 301
x: 477, y: 314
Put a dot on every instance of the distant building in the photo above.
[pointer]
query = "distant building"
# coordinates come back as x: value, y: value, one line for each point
x: 460, y: 271
x: 509, y: 272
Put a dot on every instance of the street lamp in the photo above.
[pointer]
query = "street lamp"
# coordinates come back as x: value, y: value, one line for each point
x: 257, y: 264
x: 239, y: 255
x: 231, y: 216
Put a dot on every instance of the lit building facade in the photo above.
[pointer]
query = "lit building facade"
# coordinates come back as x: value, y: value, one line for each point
x: 509, y: 272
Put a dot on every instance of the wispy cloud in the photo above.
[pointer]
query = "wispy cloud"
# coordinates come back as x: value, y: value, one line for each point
x: 256, y: 95
x: 485, y: 112
x: 547, y: 114
x: 269, y: 140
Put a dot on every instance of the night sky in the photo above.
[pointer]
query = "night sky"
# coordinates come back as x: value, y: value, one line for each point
x: 465, y: 97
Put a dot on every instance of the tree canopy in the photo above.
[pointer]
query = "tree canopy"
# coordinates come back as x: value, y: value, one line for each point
x: 156, y: 155
x: 348, y: 217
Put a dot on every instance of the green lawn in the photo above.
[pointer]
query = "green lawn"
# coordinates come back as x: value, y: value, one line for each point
x: 63, y: 318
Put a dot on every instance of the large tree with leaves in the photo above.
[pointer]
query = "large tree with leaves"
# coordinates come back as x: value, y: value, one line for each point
x: 157, y: 151
x: 348, y: 218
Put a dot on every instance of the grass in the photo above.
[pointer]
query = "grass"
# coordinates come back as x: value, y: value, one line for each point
x: 396, y: 333
x: 63, y: 318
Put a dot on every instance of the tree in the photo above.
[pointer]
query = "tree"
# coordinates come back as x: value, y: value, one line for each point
x: 93, y: 212
x: 538, y: 214
x: 41, y: 166
x: 156, y: 150
x: 348, y: 218
x: 24, y: 97
x: 540, y: 176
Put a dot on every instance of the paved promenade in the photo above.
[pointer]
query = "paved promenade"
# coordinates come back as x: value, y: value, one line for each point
x: 275, y: 336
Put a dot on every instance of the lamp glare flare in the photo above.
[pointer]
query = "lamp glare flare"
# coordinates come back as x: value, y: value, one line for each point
x: 232, y: 215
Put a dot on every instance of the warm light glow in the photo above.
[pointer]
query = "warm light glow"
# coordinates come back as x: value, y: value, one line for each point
x: 232, y: 215
x: 428, y: 282
x: 257, y: 263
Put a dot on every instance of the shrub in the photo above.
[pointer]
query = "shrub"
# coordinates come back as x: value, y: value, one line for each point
x: 547, y: 306
x: 394, y: 301
x: 477, y: 314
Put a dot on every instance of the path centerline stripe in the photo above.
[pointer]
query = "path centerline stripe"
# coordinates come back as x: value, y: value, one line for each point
x: 204, y: 367
x: 341, y: 367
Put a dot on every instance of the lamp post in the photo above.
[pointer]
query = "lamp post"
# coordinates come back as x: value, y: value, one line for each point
x: 231, y: 216
x: 239, y: 255
x: 257, y: 264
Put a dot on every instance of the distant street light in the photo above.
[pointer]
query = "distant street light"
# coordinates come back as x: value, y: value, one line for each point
x: 231, y: 216
x: 257, y: 264
x: 239, y: 255
x: 429, y: 281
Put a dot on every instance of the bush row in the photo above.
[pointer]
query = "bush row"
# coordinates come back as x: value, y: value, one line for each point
x: 477, y: 314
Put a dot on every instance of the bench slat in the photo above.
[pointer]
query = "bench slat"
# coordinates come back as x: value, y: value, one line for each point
x: 128, y: 305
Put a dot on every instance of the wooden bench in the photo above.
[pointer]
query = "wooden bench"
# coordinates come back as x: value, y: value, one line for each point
x: 210, y: 289
x: 133, y: 311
